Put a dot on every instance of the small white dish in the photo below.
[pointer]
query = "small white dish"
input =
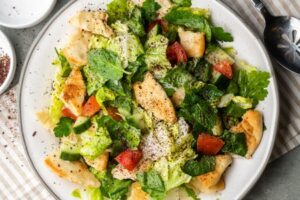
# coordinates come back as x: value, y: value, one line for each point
x: 23, y: 14
x: 6, y: 48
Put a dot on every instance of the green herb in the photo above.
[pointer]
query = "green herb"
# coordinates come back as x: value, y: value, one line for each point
x: 204, y: 165
x: 219, y: 34
x: 191, y: 18
x: 211, y: 93
x: 253, y: 84
x: 151, y: 182
x: 150, y: 7
x: 94, y: 79
x: 105, y: 63
x: 200, y: 69
x: 234, y: 143
x: 234, y: 110
x: 64, y: 127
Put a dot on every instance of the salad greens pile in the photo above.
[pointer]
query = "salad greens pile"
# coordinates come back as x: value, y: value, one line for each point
x: 212, y: 93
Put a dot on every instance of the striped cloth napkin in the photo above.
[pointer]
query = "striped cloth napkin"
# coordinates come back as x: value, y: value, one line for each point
x: 17, y: 180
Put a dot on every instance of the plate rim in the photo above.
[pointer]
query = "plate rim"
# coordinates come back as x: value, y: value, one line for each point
x: 260, y: 43
x: 33, y: 22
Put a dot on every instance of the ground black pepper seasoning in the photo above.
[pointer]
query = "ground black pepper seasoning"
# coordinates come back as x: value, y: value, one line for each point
x: 4, y: 67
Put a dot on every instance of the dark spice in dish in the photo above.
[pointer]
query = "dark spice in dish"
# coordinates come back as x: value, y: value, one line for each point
x: 4, y: 67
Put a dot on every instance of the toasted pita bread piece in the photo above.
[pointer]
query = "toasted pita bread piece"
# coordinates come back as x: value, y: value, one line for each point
x: 77, y: 48
x: 93, y: 21
x: 99, y: 163
x: 76, y: 172
x: 252, y: 126
x: 136, y: 192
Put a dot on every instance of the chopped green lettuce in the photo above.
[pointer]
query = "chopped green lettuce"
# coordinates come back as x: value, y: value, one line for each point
x: 186, y: 3
x: 94, y: 79
x: 150, y: 7
x: 211, y: 94
x: 105, y: 63
x: 94, y: 143
x: 200, y: 69
x: 136, y: 22
x: 152, y: 183
x: 155, y: 55
x: 104, y: 94
x: 193, y: 18
x: 112, y: 188
x: 62, y: 62
x: 234, y: 143
x: 196, y: 168
x: 98, y: 42
x: 243, y: 102
x: 88, y: 193
x: 117, y: 10
x: 234, y: 110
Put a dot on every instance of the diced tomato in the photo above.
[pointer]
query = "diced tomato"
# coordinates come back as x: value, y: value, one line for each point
x: 208, y: 144
x: 161, y: 22
x: 224, y: 68
x: 176, y: 53
x: 91, y: 107
x: 68, y: 113
x: 129, y: 158
x: 113, y: 112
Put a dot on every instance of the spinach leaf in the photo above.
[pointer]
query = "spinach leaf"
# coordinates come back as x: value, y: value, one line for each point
x: 117, y: 10
x: 253, y: 84
x: 204, y: 165
x: 112, y: 188
x: 105, y: 63
x: 234, y: 143
x: 149, y: 8
x: 219, y: 34
x: 152, y: 183
x: 191, y: 18
x: 64, y: 127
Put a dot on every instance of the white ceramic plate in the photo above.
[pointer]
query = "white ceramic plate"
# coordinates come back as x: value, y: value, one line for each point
x: 38, y: 74
x: 6, y: 48
x: 23, y: 14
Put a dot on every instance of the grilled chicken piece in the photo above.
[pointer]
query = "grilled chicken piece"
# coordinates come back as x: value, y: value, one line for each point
x: 152, y: 97
x: 193, y: 43
x: 76, y: 172
x: 252, y: 126
x: 93, y: 21
x: 100, y: 163
x: 212, y: 181
x: 77, y: 48
x: 74, y: 91
x: 136, y: 192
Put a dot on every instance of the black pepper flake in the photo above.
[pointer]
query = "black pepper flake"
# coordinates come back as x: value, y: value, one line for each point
x: 34, y: 134
x: 5, y: 146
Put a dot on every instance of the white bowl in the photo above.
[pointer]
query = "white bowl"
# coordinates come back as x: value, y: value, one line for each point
x: 7, y: 48
x: 23, y: 14
x: 38, y: 74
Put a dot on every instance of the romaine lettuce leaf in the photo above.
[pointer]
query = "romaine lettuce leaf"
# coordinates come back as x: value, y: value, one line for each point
x: 186, y: 3
x: 98, y: 42
x: 219, y: 34
x: 196, y: 168
x: 88, y: 193
x: 94, y: 79
x: 136, y: 22
x: 117, y: 10
x: 104, y: 94
x: 94, y: 143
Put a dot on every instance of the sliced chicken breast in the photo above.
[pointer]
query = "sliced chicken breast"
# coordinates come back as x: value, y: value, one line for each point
x: 152, y: 97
